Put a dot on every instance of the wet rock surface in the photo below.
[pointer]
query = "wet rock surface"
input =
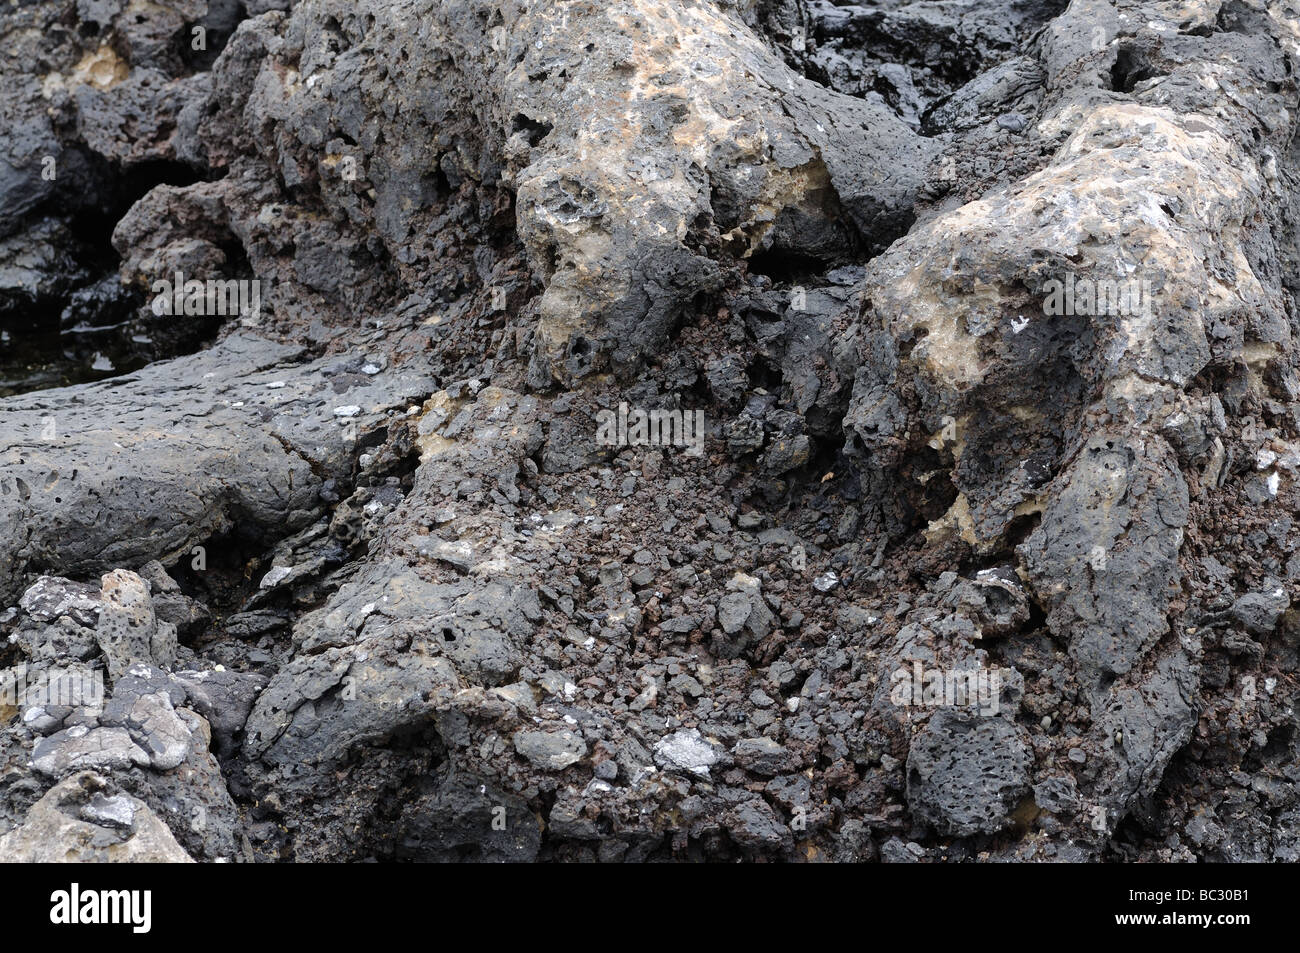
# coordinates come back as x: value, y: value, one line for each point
x: 715, y: 430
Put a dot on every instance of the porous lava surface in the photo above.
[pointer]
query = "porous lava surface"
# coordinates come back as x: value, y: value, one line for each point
x: 363, y: 575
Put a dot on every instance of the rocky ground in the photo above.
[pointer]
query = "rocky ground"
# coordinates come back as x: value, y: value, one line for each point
x: 360, y: 578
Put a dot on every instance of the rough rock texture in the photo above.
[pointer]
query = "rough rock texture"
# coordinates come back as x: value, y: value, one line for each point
x: 983, y: 547
x: 85, y: 820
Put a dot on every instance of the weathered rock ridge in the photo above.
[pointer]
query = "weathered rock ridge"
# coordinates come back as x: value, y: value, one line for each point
x: 990, y: 549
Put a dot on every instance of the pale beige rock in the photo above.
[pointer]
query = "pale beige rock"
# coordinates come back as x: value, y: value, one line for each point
x: 84, y: 820
x: 128, y: 631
